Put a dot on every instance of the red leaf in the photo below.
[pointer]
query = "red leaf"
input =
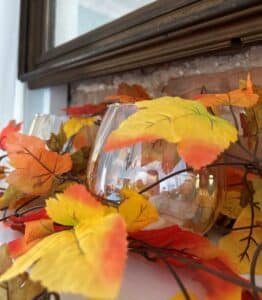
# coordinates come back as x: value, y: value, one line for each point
x: 87, y: 109
x: 11, y: 127
x: 198, y: 249
x: 40, y: 214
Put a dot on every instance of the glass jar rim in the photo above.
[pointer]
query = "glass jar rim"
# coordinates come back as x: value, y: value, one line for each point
x: 117, y: 104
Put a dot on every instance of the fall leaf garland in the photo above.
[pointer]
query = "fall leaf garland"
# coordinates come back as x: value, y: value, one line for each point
x: 73, y: 225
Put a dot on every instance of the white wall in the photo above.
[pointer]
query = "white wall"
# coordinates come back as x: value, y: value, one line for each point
x: 16, y: 100
x: 10, y: 89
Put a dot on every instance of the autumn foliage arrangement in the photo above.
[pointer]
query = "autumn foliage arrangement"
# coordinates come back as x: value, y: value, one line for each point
x: 64, y: 226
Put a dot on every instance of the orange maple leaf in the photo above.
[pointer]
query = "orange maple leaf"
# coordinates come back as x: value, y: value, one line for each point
x: 243, y: 97
x: 11, y: 127
x: 35, y: 166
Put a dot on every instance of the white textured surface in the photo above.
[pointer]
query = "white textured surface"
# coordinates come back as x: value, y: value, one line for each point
x: 146, y: 281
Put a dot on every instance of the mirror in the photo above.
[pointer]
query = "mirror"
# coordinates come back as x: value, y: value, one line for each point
x: 72, y: 18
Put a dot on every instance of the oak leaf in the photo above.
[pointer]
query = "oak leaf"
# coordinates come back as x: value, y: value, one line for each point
x: 200, y: 137
x: 35, y: 166
x: 93, y: 251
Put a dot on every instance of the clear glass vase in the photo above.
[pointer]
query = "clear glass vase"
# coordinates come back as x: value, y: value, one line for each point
x: 44, y: 124
x: 190, y: 199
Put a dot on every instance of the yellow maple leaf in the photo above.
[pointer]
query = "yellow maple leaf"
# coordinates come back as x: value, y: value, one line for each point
x: 233, y: 244
x: 73, y: 125
x: 200, y: 136
x: 74, y: 205
x: 87, y: 259
x: 137, y: 211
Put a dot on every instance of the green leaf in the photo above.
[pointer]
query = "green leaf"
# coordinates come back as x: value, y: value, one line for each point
x: 57, y: 141
x: 79, y: 160
x: 10, y: 195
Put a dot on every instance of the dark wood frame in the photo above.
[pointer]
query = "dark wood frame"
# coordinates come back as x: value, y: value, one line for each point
x: 159, y: 32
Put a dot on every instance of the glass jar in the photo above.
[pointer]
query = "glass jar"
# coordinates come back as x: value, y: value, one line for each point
x: 189, y: 199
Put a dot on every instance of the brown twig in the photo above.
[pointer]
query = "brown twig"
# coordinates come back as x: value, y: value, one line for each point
x: 249, y: 238
x: 248, y: 166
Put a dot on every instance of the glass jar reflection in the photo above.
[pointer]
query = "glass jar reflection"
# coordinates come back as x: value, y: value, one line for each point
x: 189, y: 199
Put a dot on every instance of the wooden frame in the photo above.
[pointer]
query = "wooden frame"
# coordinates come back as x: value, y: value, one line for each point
x: 159, y: 32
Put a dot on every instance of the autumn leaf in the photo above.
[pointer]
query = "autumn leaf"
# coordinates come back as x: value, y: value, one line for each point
x: 94, y: 250
x: 136, y: 210
x: 35, y: 166
x: 10, y: 196
x: 242, y: 97
x: 125, y: 93
x: 251, y: 120
x: 85, y: 137
x: 197, y: 249
x: 231, y: 205
x: 80, y: 160
x: 56, y: 142
x: 5, y: 259
x: 86, y: 109
x: 31, y: 216
x: 74, y: 205
x: 200, y: 137
x: 73, y: 125
x: 2, y: 172
x: 34, y: 231
x: 20, y: 287
x: 11, y: 127
x: 234, y: 244
x: 128, y: 93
